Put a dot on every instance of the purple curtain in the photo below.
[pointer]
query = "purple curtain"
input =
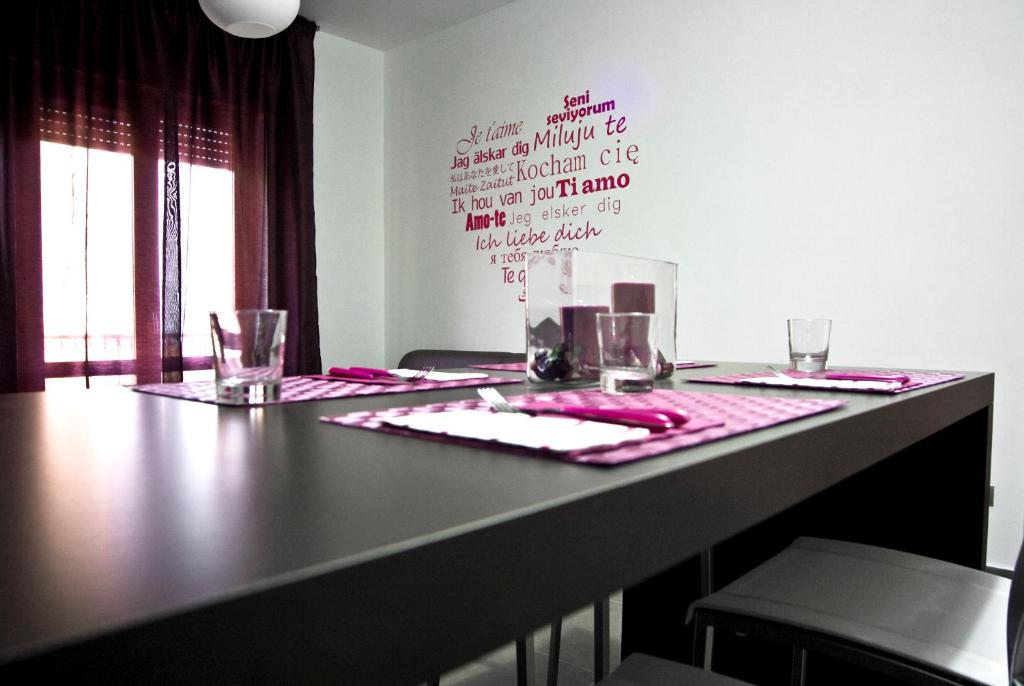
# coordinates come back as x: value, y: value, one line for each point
x: 156, y: 77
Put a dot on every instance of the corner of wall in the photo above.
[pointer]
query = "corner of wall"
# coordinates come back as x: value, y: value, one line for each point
x: 349, y: 200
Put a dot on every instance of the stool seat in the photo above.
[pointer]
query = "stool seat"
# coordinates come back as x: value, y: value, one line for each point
x: 928, y: 613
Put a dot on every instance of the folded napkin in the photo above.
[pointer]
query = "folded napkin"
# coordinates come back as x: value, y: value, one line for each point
x: 371, y: 375
x: 359, y: 372
x: 379, y: 380
x: 826, y: 384
x: 655, y: 419
x: 554, y: 433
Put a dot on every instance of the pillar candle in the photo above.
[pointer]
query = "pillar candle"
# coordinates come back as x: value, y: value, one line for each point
x: 631, y: 296
x: 579, y: 331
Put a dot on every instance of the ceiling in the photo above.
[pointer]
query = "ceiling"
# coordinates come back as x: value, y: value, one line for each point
x: 385, y: 24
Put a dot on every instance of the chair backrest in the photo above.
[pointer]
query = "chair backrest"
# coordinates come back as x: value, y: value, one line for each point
x: 446, y: 359
x: 1015, y: 623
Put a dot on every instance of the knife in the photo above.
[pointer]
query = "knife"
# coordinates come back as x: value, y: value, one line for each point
x: 867, y: 376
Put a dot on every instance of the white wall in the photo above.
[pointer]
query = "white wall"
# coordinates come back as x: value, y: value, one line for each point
x: 855, y: 159
x: 348, y: 200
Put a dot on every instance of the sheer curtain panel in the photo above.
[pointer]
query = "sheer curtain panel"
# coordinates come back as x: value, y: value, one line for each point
x: 153, y: 168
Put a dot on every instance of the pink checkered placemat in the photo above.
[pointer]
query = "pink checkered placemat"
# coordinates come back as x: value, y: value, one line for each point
x: 296, y: 389
x: 714, y: 416
x: 521, y: 366
x: 917, y: 380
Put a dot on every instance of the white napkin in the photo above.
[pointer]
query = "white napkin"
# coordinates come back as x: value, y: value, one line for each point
x: 826, y: 384
x: 438, y: 376
x: 561, y: 434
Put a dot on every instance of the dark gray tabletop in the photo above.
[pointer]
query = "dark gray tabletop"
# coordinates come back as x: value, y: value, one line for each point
x: 150, y: 537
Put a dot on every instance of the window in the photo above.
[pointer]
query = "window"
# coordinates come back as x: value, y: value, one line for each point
x: 88, y: 172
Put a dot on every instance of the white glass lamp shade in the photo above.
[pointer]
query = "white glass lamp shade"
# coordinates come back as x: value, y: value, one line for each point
x: 251, y: 18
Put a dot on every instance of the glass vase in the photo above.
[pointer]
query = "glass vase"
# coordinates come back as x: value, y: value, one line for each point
x: 565, y: 291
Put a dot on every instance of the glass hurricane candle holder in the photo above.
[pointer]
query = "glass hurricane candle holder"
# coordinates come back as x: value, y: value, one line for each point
x: 566, y: 290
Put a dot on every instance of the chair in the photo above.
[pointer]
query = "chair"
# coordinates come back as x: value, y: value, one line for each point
x: 644, y: 670
x: 903, y: 615
x: 446, y: 359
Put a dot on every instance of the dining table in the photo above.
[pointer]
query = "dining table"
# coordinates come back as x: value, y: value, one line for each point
x: 153, y: 539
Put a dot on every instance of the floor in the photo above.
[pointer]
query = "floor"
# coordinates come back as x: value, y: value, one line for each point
x: 576, y: 658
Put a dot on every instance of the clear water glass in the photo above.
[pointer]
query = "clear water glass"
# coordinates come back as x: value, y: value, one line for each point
x: 808, y: 344
x: 248, y: 355
x: 628, y: 351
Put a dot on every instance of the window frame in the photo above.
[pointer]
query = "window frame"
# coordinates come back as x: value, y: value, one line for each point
x: 107, y: 131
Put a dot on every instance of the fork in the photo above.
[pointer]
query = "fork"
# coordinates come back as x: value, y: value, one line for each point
x: 496, y: 400
x: 421, y: 374
x: 779, y: 374
x: 648, y: 419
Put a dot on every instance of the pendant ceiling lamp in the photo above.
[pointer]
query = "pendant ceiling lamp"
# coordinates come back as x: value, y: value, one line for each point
x: 251, y: 18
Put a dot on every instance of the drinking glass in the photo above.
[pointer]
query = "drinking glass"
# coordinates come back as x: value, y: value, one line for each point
x: 248, y: 355
x: 808, y: 344
x: 628, y: 351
